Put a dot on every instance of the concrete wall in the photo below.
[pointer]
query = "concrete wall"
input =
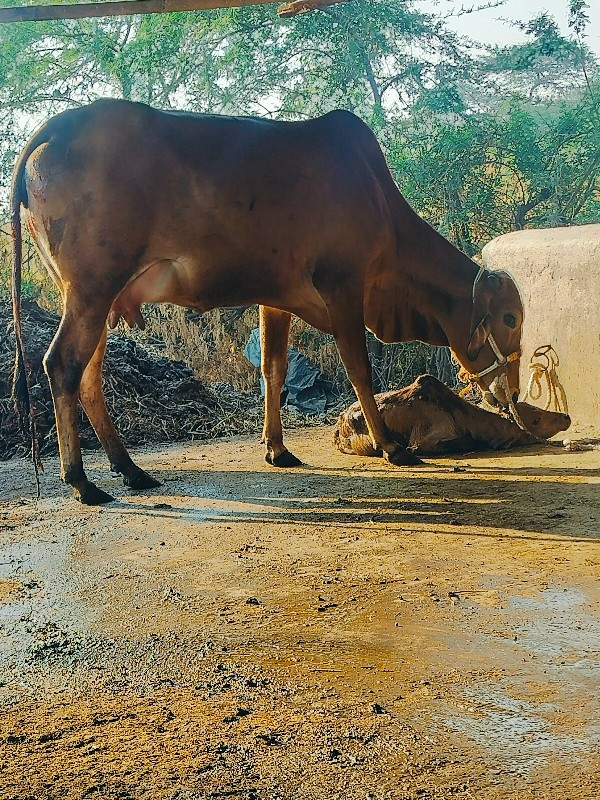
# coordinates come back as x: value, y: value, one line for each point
x: 558, y: 273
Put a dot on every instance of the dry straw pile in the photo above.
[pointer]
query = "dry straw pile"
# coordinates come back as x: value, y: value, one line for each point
x: 151, y: 398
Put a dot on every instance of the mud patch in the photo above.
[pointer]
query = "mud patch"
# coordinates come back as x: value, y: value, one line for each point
x: 344, y: 630
x: 8, y: 587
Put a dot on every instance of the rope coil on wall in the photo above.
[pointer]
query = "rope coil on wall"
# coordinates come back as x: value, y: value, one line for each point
x: 544, y: 362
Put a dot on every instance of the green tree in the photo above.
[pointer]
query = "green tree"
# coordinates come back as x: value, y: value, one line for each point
x: 480, y: 141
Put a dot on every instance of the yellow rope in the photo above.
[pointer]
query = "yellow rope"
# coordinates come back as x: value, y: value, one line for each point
x: 472, y: 378
x: 466, y: 377
x: 503, y: 382
x: 544, y: 370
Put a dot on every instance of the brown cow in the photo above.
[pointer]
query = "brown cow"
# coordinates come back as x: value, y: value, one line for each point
x: 428, y: 418
x: 130, y: 205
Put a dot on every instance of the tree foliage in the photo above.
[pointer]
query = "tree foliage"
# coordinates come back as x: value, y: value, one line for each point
x: 480, y: 140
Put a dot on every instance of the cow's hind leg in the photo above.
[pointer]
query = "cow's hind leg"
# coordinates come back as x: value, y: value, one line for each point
x: 72, y: 348
x: 274, y: 333
x: 92, y: 399
x: 347, y: 325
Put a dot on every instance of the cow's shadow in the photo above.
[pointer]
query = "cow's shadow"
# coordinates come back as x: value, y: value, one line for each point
x: 484, y: 498
x: 467, y: 495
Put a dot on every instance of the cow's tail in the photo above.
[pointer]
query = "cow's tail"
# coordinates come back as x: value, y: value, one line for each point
x: 21, y: 393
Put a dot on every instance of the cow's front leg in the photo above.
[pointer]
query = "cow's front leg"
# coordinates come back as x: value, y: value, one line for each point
x: 274, y: 333
x: 348, y: 329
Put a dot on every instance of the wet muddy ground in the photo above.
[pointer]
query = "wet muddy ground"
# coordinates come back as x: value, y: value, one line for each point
x: 346, y: 630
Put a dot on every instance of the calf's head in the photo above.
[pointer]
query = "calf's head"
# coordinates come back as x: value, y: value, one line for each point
x: 540, y: 423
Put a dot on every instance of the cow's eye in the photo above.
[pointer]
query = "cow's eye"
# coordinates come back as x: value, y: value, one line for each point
x: 510, y: 320
x: 536, y: 421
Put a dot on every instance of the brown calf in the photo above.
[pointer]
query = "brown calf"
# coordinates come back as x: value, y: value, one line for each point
x: 428, y: 418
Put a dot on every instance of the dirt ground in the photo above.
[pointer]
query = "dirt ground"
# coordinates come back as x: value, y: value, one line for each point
x: 347, y: 630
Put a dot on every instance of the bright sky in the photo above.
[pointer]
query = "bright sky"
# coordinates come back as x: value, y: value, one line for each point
x: 489, y: 26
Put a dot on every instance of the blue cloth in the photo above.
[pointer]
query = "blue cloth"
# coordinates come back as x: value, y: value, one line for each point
x: 304, y: 388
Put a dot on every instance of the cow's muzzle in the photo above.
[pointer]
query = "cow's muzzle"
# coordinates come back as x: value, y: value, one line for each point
x: 498, y: 392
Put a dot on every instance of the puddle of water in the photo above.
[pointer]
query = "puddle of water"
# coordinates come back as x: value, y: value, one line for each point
x: 43, y: 604
x: 560, y: 627
x: 548, y: 704
x: 520, y: 731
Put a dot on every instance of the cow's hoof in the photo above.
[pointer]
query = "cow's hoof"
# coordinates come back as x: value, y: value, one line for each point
x: 403, y: 458
x: 140, y: 480
x: 285, y: 459
x: 90, y: 495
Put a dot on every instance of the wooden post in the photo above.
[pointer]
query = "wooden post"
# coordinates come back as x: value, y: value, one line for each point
x: 112, y: 8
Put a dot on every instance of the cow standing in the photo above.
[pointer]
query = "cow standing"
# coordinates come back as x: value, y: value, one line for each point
x: 130, y: 205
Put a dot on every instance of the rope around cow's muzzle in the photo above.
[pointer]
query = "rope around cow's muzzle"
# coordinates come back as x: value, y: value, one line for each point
x: 544, y: 369
x: 472, y: 378
x: 502, y: 383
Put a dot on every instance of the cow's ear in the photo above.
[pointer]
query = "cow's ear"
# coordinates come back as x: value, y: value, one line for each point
x: 486, y: 286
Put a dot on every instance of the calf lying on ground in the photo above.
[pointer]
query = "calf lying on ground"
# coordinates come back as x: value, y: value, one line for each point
x: 430, y: 419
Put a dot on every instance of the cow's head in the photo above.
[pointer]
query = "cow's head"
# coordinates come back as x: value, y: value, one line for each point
x: 541, y: 423
x: 493, y: 350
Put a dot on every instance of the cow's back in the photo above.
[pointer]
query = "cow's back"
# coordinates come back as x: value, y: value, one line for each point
x: 251, y: 208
